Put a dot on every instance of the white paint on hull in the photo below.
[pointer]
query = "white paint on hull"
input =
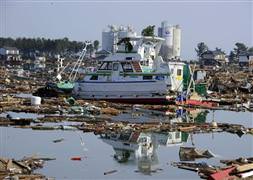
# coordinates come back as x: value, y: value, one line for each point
x: 120, y: 89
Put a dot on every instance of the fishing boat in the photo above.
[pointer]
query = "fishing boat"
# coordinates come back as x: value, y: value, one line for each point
x: 134, y: 74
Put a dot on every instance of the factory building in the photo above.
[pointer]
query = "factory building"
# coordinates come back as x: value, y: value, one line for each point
x: 172, y: 45
x: 111, y: 38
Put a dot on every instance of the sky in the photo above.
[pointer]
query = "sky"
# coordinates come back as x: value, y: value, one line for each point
x: 217, y: 23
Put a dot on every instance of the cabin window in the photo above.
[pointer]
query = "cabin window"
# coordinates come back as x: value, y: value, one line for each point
x: 103, y: 66
x: 106, y: 66
x: 144, y: 62
x: 147, y: 77
x: 115, y: 66
x: 172, y: 70
x: 129, y: 58
x: 109, y: 66
x: 177, y: 135
x: 179, y: 72
x: 94, y: 77
x: 127, y: 67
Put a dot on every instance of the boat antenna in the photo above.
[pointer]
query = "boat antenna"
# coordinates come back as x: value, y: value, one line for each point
x: 59, y: 77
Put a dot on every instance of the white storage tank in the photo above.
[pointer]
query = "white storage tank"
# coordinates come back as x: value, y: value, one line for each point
x: 168, y: 35
x: 35, y: 100
x: 177, y: 41
x: 171, y: 47
x: 110, y: 38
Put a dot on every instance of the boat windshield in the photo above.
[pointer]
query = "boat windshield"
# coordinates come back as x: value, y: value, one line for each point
x: 106, y: 66
x: 127, y: 67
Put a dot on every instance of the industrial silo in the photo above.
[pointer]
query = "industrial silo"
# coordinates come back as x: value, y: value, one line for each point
x: 110, y: 38
x: 176, y: 41
x: 166, y: 32
x: 171, y: 47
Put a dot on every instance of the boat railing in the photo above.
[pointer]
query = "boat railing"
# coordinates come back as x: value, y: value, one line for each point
x: 109, y: 73
x: 143, y: 74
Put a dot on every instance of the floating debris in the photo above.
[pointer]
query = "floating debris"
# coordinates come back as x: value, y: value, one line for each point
x: 239, y: 168
x: 76, y: 158
x: 46, y: 128
x: 58, y: 140
x: 68, y: 127
x: 110, y: 172
x: 22, y: 169
x: 192, y: 153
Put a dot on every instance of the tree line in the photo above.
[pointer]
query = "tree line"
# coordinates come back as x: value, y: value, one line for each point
x: 47, y: 46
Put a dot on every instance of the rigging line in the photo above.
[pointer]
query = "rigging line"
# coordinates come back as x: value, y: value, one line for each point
x: 77, y: 62
x: 82, y: 56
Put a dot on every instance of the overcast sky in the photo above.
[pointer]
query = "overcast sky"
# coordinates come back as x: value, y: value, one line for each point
x: 217, y: 23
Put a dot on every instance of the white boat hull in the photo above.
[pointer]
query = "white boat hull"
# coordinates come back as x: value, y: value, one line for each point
x: 114, y: 90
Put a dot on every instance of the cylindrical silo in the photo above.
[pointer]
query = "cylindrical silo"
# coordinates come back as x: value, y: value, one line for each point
x: 164, y: 24
x: 168, y: 35
x: 166, y: 32
x: 176, y: 41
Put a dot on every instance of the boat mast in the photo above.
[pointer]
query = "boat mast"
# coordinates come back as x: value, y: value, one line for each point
x: 78, y: 63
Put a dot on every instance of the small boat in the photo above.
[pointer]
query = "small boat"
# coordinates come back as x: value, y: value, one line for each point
x: 65, y: 86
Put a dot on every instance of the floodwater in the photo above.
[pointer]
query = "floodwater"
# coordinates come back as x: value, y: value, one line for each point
x: 98, y: 152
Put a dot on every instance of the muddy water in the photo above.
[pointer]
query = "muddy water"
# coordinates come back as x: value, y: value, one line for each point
x: 98, y: 158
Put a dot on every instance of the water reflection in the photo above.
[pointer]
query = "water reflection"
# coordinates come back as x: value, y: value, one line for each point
x: 141, y: 147
x: 192, y: 115
x: 171, y: 114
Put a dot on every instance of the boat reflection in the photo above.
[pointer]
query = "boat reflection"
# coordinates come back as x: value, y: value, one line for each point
x: 192, y: 115
x: 172, y: 114
x: 140, y: 148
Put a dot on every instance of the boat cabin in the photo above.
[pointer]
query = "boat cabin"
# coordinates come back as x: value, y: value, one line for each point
x: 123, y: 67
